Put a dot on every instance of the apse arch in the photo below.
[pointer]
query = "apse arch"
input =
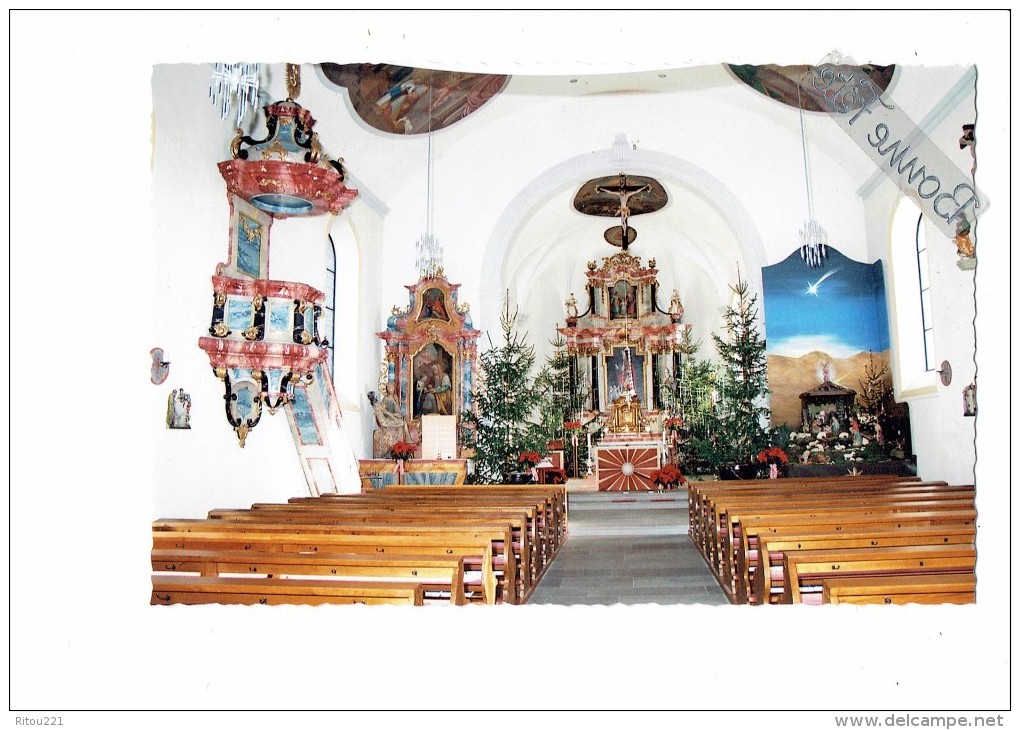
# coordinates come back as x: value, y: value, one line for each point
x: 536, y: 192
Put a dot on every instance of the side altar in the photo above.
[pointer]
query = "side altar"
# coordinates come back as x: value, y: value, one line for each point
x: 430, y: 353
x: 623, y: 347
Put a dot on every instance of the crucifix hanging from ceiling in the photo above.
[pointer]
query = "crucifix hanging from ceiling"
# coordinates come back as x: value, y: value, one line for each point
x: 620, y: 196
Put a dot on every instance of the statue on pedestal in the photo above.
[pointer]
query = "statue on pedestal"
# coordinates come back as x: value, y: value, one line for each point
x: 391, y: 426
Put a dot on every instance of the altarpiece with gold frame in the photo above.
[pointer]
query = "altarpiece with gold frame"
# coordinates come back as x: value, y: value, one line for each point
x: 430, y: 354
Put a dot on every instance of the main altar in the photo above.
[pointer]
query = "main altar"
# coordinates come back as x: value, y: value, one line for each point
x: 623, y: 349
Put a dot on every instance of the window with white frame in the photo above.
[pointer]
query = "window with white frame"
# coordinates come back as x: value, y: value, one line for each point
x: 329, y: 305
x: 911, y: 313
x: 924, y: 285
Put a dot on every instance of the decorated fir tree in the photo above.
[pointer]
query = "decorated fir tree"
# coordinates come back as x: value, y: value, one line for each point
x: 742, y: 410
x: 508, y: 404
x: 562, y: 396
x: 876, y: 396
x: 690, y: 398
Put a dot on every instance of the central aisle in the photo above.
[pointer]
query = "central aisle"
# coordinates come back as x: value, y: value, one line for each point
x: 628, y: 549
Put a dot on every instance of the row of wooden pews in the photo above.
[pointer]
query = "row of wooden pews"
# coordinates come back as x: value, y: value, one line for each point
x: 865, y: 539
x: 414, y: 545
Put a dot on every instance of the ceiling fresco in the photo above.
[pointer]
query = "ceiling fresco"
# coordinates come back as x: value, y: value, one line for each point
x: 780, y: 82
x: 398, y: 99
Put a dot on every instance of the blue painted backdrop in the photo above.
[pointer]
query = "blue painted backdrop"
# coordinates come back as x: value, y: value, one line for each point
x: 835, y: 312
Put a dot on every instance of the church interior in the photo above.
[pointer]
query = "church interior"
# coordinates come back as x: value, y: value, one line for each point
x: 402, y: 310
x: 419, y: 210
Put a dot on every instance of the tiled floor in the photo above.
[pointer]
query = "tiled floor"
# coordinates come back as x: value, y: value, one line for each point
x: 630, y: 553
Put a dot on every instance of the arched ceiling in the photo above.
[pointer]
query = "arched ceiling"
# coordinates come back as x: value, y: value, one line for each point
x: 518, y: 149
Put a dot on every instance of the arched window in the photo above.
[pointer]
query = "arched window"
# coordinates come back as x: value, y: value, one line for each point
x: 924, y: 284
x: 911, y: 314
x: 342, y: 311
x: 329, y: 305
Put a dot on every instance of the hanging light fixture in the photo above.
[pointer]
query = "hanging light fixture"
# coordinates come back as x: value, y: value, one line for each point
x: 814, y: 240
x: 430, y: 251
x: 235, y: 85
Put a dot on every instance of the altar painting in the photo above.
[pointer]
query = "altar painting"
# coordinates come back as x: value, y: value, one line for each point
x: 433, y: 305
x: 623, y: 300
x: 432, y: 379
x: 620, y: 379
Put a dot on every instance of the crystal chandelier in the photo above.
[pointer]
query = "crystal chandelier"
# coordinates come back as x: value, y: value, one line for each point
x: 430, y: 251
x: 235, y: 84
x: 814, y: 241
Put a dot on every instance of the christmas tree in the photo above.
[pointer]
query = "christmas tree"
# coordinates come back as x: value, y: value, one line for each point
x: 691, y: 399
x: 506, y: 401
x: 562, y: 396
x: 742, y: 408
x: 876, y: 396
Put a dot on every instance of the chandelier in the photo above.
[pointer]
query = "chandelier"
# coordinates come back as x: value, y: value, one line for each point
x: 429, y: 258
x: 814, y: 240
x: 234, y: 85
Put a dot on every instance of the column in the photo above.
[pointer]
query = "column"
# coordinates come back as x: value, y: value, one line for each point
x: 656, y: 396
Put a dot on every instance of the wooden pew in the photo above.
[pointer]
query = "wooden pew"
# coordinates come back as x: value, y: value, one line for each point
x: 732, y: 547
x: 548, y: 503
x: 555, y: 495
x: 520, y: 527
x: 739, y: 548
x: 521, y: 542
x: 701, y: 494
x: 901, y: 589
x: 486, y: 547
x: 710, y: 509
x: 435, y: 572
x: 804, y: 570
x: 766, y: 582
x: 552, y: 497
x: 720, y: 528
x: 188, y: 589
x: 539, y: 541
x: 866, y: 520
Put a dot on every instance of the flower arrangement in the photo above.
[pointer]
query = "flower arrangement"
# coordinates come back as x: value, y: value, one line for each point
x: 555, y: 475
x: 668, y: 477
x: 571, y: 425
x: 773, y: 455
x: 528, y: 459
x: 673, y: 424
x: 402, y: 450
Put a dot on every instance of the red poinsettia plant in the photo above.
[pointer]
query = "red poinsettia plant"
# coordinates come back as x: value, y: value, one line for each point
x: 773, y: 455
x: 668, y: 477
x: 402, y: 450
x: 528, y: 459
x: 571, y: 425
x: 555, y: 475
x: 673, y: 424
